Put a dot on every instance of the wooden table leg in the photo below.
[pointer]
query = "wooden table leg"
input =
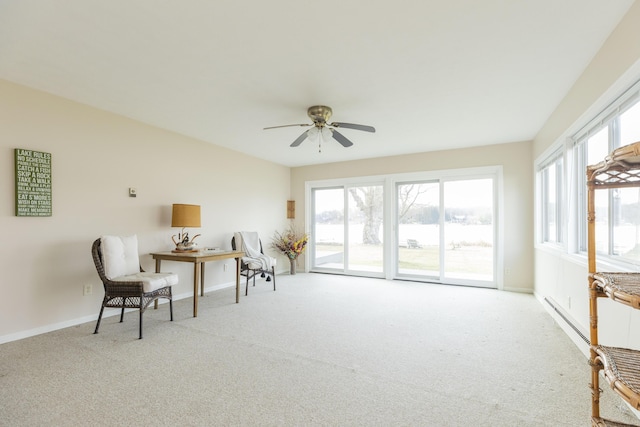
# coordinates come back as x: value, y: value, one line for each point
x: 202, y: 265
x: 196, y: 276
x: 237, y: 280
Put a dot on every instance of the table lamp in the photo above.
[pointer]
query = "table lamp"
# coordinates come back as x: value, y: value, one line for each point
x: 185, y: 216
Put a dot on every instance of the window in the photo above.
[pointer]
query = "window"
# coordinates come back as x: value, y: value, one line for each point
x: 617, y: 210
x: 348, y: 229
x: 439, y: 227
x: 446, y: 230
x: 594, y: 150
x: 418, y: 217
x: 551, y: 196
x: 630, y: 125
x: 327, y: 235
x: 468, y: 229
x: 561, y: 196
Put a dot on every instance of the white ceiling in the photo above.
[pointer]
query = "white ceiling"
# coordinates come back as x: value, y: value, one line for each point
x: 428, y: 74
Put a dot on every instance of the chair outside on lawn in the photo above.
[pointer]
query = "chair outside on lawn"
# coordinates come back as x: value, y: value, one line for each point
x: 413, y: 244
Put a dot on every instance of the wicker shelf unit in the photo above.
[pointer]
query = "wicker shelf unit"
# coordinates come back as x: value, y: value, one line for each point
x: 620, y: 366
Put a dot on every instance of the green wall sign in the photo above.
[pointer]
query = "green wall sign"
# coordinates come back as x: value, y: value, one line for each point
x: 33, y: 183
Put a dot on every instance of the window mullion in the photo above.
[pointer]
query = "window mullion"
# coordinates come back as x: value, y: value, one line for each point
x: 545, y: 209
x: 559, y: 200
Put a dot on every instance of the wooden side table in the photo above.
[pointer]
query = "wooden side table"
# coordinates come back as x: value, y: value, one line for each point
x: 199, y: 259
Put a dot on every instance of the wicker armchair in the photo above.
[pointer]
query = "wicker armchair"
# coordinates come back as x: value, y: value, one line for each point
x: 250, y: 269
x: 133, y: 289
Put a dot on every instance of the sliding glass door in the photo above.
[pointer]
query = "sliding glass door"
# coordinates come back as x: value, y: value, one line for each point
x: 418, y: 242
x: 366, y: 229
x: 348, y: 229
x: 437, y: 229
x: 468, y: 231
x: 327, y: 236
x: 446, y: 231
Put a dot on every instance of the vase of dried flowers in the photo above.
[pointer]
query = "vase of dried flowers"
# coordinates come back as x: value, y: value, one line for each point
x: 291, y: 243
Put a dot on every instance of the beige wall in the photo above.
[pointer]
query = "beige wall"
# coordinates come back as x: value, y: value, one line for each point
x: 515, y: 158
x: 562, y: 277
x: 96, y: 157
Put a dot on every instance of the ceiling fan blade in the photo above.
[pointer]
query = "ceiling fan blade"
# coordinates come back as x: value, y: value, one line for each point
x: 299, y: 140
x: 286, y: 126
x: 353, y: 126
x: 341, y: 138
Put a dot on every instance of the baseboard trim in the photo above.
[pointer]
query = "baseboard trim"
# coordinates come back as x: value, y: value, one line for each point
x: 93, y: 317
x: 567, y: 323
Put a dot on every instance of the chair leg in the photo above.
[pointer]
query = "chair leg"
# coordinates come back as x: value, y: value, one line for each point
x: 140, y: 326
x: 171, y: 307
x: 246, y: 289
x: 122, y: 312
x: 99, y: 318
x: 273, y: 273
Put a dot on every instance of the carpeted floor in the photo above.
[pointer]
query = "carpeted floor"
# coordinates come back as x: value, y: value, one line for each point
x: 322, y: 350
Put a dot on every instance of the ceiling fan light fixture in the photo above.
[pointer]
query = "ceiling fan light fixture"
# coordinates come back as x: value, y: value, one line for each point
x: 321, y: 129
x: 313, y: 134
x: 326, y: 133
x: 319, y: 134
x: 319, y: 113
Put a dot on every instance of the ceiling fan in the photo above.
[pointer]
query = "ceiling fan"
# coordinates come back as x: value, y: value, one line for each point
x: 320, y: 115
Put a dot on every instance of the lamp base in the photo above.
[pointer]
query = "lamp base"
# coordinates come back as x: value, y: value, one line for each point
x: 186, y: 247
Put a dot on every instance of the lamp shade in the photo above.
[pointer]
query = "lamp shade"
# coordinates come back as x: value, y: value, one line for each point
x: 185, y: 216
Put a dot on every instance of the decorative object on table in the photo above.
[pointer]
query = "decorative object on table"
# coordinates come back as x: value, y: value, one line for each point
x: 291, y: 243
x: 185, y: 216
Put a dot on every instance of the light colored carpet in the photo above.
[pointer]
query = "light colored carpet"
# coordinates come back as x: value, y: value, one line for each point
x: 321, y: 350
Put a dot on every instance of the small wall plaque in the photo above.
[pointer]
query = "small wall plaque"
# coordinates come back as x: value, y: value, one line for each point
x: 33, y: 183
x: 291, y: 209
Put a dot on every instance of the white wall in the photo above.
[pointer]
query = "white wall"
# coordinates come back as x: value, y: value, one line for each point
x: 96, y: 157
x: 518, y: 196
x: 559, y: 276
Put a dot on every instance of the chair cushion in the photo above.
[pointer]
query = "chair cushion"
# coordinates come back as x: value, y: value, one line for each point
x: 150, y: 281
x: 254, y: 264
x: 120, y: 255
